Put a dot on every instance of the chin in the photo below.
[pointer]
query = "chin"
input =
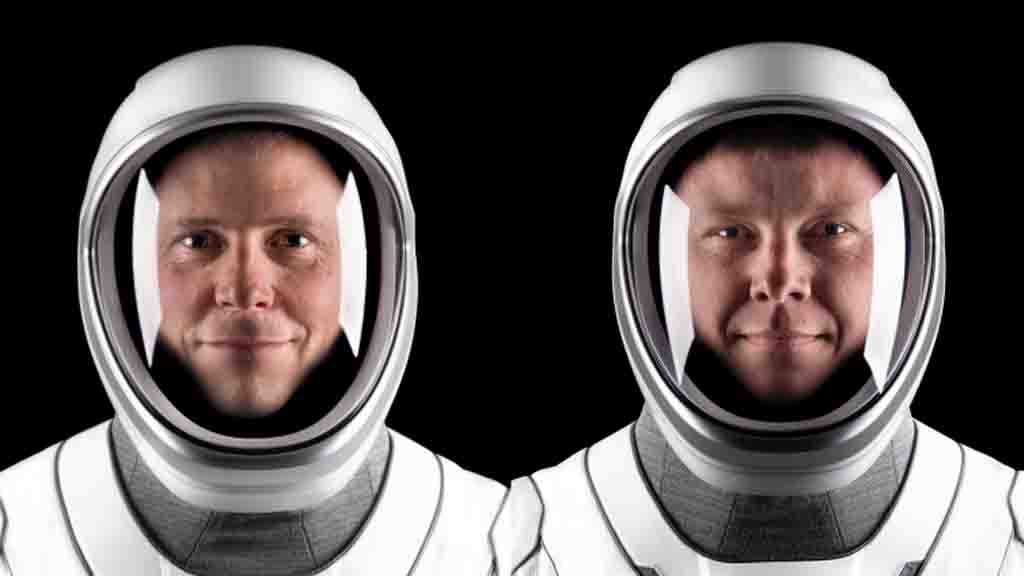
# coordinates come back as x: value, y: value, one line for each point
x: 254, y: 400
x: 781, y: 393
x: 252, y: 410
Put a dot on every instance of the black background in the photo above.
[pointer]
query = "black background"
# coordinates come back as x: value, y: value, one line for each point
x: 514, y: 146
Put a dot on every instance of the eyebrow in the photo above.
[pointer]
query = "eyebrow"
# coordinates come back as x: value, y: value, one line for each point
x: 295, y: 221
x: 731, y: 212
x: 197, y: 222
x: 733, y: 206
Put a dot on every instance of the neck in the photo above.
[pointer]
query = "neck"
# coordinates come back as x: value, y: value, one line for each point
x: 745, y: 527
x: 208, y: 542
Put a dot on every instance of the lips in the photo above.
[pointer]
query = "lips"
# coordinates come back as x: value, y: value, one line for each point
x: 781, y: 338
x: 248, y: 343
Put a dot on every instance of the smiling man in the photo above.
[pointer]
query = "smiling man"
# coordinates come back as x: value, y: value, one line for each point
x: 778, y: 268
x: 249, y: 291
x: 780, y: 252
x: 249, y: 268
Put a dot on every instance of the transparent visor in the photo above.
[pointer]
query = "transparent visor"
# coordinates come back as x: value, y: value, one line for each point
x: 246, y: 261
x: 777, y: 264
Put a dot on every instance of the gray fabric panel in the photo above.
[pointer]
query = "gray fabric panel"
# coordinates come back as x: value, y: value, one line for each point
x: 281, y: 543
x: 743, y: 527
x: 699, y: 510
x: 330, y: 527
x: 903, y: 447
x: 861, y: 506
x: 253, y: 544
x: 780, y: 528
x: 170, y: 523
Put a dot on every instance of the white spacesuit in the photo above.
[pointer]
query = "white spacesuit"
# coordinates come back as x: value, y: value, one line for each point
x: 778, y: 272
x: 251, y: 327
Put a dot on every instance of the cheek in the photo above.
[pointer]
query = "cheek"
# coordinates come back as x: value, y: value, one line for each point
x: 846, y: 292
x: 715, y: 290
x: 181, y: 296
x: 314, y: 296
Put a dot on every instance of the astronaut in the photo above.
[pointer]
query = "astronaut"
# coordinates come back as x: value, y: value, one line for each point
x: 778, y: 271
x: 247, y: 275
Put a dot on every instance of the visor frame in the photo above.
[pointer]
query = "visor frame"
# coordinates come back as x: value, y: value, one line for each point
x: 197, y: 464
x: 730, y: 451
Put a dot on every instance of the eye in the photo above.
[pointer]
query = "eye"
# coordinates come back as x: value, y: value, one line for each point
x: 198, y: 241
x: 291, y: 239
x: 830, y: 229
x: 730, y: 232
x: 835, y: 229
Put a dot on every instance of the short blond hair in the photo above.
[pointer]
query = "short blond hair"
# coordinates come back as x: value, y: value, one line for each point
x: 249, y: 133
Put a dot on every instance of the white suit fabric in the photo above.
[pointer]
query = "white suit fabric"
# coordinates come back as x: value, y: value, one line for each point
x: 66, y: 511
x: 956, y: 511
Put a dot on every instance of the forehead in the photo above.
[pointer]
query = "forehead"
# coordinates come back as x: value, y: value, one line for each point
x: 769, y: 176
x: 250, y: 173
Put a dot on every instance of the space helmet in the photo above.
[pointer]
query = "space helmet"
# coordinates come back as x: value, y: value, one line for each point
x: 247, y: 275
x: 778, y: 265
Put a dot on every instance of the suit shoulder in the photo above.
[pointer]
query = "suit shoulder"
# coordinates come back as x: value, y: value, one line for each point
x: 471, y: 484
x: 33, y: 478
x: 981, y: 525
x: 467, y: 506
x: 29, y: 504
x: 36, y: 533
x: 470, y: 500
x: 983, y: 462
x: 983, y: 468
x: 516, y: 534
x: 30, y: 468
x: 458, y: 483
x: 1004, y: 482
x: 519, y: 532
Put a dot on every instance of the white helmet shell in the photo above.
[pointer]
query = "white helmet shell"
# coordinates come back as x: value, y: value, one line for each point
x: 213, y: 88
x: 809, y: 455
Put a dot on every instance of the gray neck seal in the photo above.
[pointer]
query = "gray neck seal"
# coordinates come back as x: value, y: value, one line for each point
x: 755, y: 528
x: 206, y: 542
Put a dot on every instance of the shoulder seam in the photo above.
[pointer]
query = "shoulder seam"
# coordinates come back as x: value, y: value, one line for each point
x: 550, y: 559
x: 540, y: 531
x: 540, y: 527
x: 604, y: 513
x: 3, y: 534
x: 433, y: 521
x: 64, y: 509
x: 3, y: 525
x: 1009, y: 542
x: 1014, y: 512
x: 490, y: 532
x: 949, y: 511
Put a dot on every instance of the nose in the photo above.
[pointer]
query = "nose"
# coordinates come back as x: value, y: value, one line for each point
x: 245, y: 279
x: 780, y: 271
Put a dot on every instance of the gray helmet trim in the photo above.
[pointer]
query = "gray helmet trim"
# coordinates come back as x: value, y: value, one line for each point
x: 175, y: 443
x: 819, y: 454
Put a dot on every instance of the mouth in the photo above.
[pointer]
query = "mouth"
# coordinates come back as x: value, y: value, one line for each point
x: 247, y: 343
x: 781, y: 339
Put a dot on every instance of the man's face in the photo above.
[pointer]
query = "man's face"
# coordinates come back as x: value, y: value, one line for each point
x: 780, y: 262
x: 249, y: 268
